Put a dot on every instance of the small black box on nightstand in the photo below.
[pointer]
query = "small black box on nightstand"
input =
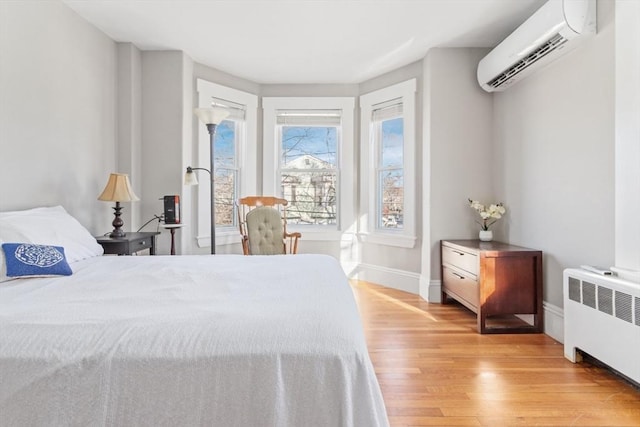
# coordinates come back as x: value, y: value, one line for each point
x: 172, y: 209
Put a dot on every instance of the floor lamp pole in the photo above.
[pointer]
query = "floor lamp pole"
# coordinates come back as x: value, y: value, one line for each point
x: 212, y: 132
x: 211, y: 117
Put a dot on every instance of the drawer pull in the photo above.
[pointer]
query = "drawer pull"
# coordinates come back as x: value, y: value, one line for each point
x: 458, y: 275
x: 457, y: 252
x: 142, y: 242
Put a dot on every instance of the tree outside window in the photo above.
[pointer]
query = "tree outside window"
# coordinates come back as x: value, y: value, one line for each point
x: 391, y: 174
x: 226, y: 173
x: 308, y: 173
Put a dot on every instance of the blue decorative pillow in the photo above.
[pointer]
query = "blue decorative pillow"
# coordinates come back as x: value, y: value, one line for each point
x: 29, y: 260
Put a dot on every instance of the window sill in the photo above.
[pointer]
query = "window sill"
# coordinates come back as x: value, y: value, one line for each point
x: 399, y: 241
x: 311, y: 235
x: 318, y: 234
x: 222, y: 238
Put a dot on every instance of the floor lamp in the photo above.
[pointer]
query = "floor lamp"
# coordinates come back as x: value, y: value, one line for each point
x: 211, y: 117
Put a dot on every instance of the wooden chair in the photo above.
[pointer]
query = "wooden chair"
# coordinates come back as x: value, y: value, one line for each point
x: 263, y: 226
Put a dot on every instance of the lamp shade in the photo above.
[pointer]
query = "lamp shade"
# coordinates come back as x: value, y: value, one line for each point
x: 212, y: 115
x: 118, y: 189
x: 190, y: 177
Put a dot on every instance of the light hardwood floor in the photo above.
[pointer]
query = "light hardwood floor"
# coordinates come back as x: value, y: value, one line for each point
x: 435, y: 370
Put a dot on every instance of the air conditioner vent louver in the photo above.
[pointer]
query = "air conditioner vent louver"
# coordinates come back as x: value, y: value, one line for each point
x: 605, y: 300
x: 554, y: 43
x: 623, y: 306
x: 574, y: 289
x: 589, y: 294
x: 637, y: 311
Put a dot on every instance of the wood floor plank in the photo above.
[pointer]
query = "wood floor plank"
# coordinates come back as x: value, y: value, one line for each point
x: 434, y: 369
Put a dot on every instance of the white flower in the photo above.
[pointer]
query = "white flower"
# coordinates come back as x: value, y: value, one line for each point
x: 494, y: 211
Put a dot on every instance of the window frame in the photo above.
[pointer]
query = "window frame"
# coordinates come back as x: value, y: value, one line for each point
x: 246, y: 159
x: 345, y: 216
x: 232, y: 169
x: 370, y: 138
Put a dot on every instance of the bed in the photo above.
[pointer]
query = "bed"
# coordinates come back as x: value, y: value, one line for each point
x: 222, y: 340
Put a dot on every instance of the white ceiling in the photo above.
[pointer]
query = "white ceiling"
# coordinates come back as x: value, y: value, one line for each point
x: 306, y: 41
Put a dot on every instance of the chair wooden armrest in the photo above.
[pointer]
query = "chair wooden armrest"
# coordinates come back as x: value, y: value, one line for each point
x: 293, y: 241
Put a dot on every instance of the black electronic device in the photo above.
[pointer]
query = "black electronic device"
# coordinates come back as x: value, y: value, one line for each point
x: 172, y: 209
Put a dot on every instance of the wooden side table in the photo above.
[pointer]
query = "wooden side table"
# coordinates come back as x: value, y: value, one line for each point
x: 494, y: 279
x: 172, y: 229
x: 129, y: 244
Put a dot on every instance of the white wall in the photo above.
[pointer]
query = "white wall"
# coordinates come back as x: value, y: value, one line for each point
x: 627, y: 160
x: 57, y: 111
x: 554, y: 158
x: 129, y: 131
x: 458, y: 161
x: 167, y: 126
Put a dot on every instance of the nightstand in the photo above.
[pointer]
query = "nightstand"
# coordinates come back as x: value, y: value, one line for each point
x: 129, y: 244
x: 494, y: 279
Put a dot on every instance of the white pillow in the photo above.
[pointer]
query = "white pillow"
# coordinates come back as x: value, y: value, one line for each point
x: 49, y: 226
x: 3, y: 266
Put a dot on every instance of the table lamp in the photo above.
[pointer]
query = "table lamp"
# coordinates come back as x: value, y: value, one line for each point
x: 118, y: 189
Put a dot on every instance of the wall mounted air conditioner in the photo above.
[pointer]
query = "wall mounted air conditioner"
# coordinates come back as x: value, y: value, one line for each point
x: 555, y: 29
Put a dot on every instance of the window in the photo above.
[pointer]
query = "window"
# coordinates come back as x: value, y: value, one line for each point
x: 308, y: 165
x: 388, y: 132
x: 388, y: 153
x: 234, y: 163
x: 307, y: 143
x: 226, y: 172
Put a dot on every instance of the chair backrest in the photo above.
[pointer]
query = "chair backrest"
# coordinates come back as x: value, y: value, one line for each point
x: 262, y: 237
x: 264, y: 228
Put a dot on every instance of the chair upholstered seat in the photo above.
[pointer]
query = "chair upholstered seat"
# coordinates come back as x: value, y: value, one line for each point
x: 264, y: 227
x: 262, y: 221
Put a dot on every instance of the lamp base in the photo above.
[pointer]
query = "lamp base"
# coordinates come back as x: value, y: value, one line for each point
x: 117, y: 234
x: 117, y: 223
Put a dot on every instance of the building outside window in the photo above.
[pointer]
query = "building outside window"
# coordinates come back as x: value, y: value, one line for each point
x: 308, y: 165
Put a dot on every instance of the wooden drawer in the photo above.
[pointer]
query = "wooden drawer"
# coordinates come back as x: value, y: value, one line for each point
x: 129, y: 244
x: 463, y: 260
x: 141, y: 244
x: 462, y: 287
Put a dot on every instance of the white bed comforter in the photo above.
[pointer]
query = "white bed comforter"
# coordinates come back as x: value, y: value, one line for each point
x: 187, y: 341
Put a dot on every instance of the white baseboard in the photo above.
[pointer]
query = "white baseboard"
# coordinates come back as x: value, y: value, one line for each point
x: 553, y: 321
x: 389, y: 277
x: 430, y: 290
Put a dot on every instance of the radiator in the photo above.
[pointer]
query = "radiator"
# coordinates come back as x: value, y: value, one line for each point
x: 602, y: 319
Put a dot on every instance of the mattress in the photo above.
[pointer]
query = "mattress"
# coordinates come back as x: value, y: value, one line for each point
x: 187, y: 340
